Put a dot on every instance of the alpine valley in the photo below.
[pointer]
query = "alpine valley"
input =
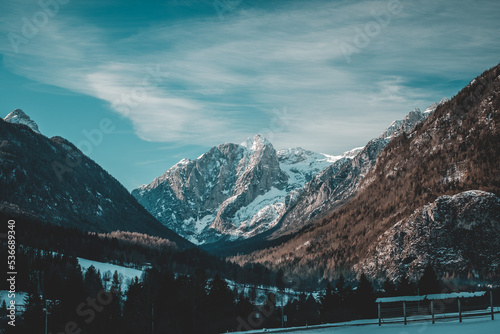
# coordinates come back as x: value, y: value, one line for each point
x: 229, y: 166
x: 425, y: 190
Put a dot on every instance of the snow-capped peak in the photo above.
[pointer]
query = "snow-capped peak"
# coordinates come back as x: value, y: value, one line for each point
x: 183, y: 162
x: 256, y: 143
x: 352, y: 153
x: 433, y: 106
x: 19, y: 117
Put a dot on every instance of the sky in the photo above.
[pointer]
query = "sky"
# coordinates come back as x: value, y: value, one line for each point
x: 176, y: 77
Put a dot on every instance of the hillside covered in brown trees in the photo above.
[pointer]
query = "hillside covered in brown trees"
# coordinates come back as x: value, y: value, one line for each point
x: 456, y: 149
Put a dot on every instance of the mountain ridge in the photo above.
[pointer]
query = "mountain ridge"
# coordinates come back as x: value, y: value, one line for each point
x: 454, y: 150
x: 82, y: 195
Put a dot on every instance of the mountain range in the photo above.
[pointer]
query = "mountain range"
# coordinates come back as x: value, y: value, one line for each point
x: 230, y: 192
x: 426, y: 190
x: 236, y: 193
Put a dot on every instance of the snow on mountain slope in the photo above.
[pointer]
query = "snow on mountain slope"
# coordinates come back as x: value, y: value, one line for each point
x: 301, y: 165
x: 19, y: 117
x: 230, y: 192
x: 240, y: 191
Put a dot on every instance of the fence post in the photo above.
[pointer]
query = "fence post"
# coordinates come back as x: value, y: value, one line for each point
x: 379, y: 315
x: 491, y: 305
x: 459, y: 310
x: 404, y: 310
x: 432, y: 311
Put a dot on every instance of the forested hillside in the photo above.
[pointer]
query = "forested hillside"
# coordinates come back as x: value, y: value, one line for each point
x: 455, y: 150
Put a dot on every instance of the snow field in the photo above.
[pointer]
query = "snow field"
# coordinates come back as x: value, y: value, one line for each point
x: 483, y: 325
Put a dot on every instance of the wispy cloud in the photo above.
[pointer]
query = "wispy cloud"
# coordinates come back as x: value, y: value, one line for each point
x: 151, y: 162
x: 216, y: 81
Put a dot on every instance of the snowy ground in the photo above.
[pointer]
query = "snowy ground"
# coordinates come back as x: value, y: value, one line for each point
x: 126, y: 274
x: 20, y: 298
x: 482, y: 325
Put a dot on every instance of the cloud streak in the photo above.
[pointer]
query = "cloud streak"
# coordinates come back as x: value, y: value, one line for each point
x: 218, y: 81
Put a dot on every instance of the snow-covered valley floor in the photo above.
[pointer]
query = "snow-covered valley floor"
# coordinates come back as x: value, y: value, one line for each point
x: 479, y: 325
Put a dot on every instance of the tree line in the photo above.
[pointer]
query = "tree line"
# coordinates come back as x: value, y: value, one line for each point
x: 88, y: 301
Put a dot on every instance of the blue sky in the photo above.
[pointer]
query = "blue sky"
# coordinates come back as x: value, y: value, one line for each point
x: 176, y: 77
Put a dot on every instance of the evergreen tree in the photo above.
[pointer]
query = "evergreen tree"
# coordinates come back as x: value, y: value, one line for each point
x: 389, y: 288
x: 429, y: 282
x: 270, y: 312
x: 219, y: 293
x: 33, y: 317
x: 199, y: 306
x: 221, y: 300
x: 405, y: 286
x: 114, y: 308
x: 92, y: 281
x: 252, y: 294
x: 74, y: 292
x: 106, y: 278
x: 310, y: 311
x: 365, y: 298
x: 3, y: 315
x: 340, y: 287
x: 166, y: 305
x: 133, y: 310
x: 280, y: 280
x: 244, y: 306
x: 330, y: 301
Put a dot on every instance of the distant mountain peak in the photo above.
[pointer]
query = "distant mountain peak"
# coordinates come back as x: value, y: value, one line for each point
x: 230, y: 192
x: 408, y: 123
x: 405, y: 125
x: 51, y: 180
x: 433, y: 106
x: 256, y: 143
x: 19, y: 117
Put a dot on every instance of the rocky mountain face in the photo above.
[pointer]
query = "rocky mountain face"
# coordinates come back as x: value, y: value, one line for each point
x: 52, y: 181
x: 336, y: 184
x: 230, y: 192
x: 455, y: 150
x: 408, y: 123
x: 249, y: 191
x: 458, y: 233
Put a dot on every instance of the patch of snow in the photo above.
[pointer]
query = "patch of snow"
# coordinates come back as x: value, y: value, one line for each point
x: 305, y: 244
x: 352, y: 153
x: 127, y: 274
x: 20, y: 298
x: 267, y: 204
x: 256, y: 143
